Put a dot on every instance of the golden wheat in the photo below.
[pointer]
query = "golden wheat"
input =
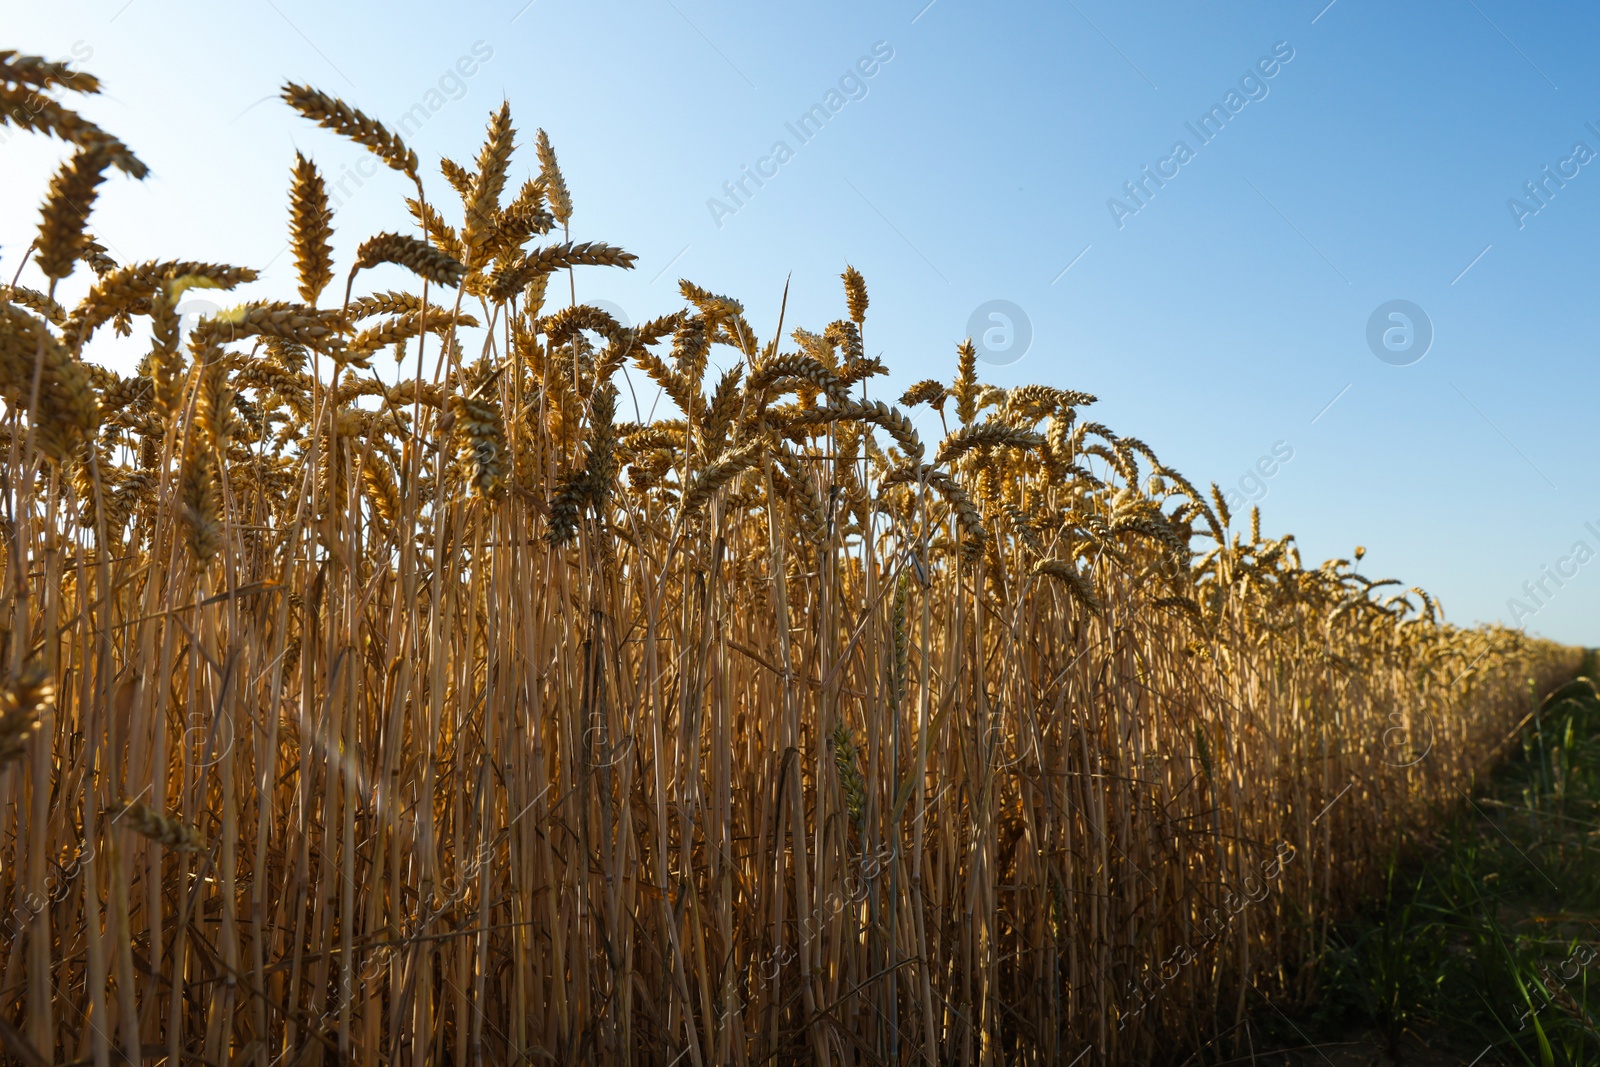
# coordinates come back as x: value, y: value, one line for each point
x: 456, y: 721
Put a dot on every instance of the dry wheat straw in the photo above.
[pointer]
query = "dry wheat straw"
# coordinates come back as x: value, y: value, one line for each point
x: 455, y: 720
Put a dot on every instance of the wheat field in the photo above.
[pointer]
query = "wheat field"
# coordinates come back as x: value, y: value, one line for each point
x: 374, y: 693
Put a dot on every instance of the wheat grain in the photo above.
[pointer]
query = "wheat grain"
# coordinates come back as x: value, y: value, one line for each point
x: 63, y: 234
x: 167, y: 830
x: 509, y: 279
x: 855, y: 293
x: 334, y: 114
x: 310, y: 230
x: 30, y: 111
x: 419, y: 258
x: 554, y: 185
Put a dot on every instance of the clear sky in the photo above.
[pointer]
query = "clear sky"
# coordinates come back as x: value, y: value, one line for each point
x: 1369, y: 153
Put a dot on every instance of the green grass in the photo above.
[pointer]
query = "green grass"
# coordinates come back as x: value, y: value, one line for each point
x: 1492, y: 936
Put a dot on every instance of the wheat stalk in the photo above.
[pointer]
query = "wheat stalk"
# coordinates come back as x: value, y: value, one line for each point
x: 739, y: 733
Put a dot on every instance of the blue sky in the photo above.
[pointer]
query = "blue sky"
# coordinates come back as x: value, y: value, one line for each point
x: 1226, y: 317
